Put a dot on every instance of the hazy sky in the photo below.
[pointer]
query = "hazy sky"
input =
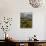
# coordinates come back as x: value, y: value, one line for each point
x: 28, y: 15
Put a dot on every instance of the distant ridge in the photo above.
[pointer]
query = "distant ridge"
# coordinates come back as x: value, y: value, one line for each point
x: 26, y: 15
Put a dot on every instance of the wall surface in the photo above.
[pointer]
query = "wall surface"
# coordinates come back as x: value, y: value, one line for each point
x: 13, y: 8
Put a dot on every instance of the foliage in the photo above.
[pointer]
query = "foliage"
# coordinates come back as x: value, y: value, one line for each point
x: 25, y: 23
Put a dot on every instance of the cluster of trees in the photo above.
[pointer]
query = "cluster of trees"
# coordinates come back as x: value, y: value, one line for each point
x: 26, y: 23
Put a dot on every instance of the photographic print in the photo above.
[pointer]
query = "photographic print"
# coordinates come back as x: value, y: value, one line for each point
x: 26, y: 20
